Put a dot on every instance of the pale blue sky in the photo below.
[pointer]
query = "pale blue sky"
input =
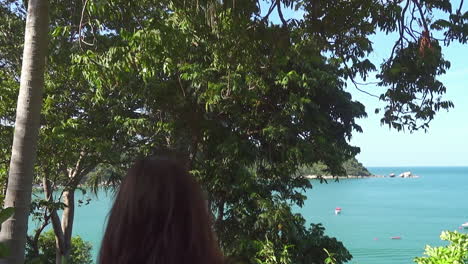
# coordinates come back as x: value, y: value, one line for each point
x: 446, y: 142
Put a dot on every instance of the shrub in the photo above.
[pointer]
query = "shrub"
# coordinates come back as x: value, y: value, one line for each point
x: 456, y: 252
x: 80, y: 251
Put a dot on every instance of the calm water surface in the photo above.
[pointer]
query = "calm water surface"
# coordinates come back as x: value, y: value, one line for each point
x: 374, y: 210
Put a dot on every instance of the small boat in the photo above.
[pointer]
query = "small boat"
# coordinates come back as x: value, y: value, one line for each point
x: 392, y: 175
x: 396, y: 237
x: 338, y: 210
x: 465, y: 225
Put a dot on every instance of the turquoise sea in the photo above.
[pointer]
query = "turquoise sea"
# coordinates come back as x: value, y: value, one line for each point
x: 376, y: 209
x: 373, y: 210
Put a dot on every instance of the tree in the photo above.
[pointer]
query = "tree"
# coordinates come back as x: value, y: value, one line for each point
x: 20, y: 178
x: 77, y: 132
x: 249, y: 102
x: 12, y: 35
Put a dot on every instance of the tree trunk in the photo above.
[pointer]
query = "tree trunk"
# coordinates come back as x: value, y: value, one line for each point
x: 27, y: 122
x: 58, y: 256
x: 57, y: 227
x: 64, y: 229
x: 68, y: 216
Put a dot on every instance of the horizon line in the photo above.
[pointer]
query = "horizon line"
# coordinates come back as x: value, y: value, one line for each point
x: 403, y: 166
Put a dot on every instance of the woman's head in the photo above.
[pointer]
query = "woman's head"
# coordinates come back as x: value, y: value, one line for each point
x: 159, y: 216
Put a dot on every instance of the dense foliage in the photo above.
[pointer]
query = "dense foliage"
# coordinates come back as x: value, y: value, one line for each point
x: 455, y: 252
x: 352, y: 167
x: 80, y: 252
x: 246, y: 102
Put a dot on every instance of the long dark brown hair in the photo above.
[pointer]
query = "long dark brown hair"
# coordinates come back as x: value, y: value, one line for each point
x: 159, y: 216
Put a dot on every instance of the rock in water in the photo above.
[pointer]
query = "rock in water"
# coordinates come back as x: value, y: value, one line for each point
x: 407, y: 174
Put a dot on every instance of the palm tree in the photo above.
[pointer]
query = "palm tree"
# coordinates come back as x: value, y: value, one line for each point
x: 20, y: 177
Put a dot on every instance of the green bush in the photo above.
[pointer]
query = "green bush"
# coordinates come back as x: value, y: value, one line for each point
x: 456, y: 252
x: 80, y: 251
x: 268, y: 254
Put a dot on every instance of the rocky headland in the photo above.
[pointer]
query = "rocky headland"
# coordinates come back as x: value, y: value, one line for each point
x: 406, y: 174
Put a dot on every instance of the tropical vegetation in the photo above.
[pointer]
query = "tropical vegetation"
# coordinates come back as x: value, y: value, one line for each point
x: 455, y: 252
x: 352, y: 167
x: 246, y: 101
x: 45, y: 252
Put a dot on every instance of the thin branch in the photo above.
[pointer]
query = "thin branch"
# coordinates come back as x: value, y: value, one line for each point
x: 181, y: 86
x: 460, y: 7
x: 280, y: 13
x: 81, y: 22
x: 369, y: 83
x: 99, y: 64
x: 413, y: 18
x: 78, y: 163
x: 272, y: 7
x: 423, y: 99
x: 400, y: 26
x: 426, y: 28
x: 53, y: 213
x: 352, y: 79
x: 80, y: 38
x: 363, y: 91
x: 37, y: 232
x: 411, y: 33
x: 74, y: 175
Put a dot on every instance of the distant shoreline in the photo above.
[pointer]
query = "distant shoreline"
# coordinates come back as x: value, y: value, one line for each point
x: 330, y: 177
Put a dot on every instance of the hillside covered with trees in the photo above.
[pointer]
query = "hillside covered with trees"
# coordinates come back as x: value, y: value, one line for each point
x: 351, y: 167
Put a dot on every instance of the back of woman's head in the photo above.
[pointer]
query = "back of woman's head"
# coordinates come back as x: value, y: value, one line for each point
x: 159, y: 216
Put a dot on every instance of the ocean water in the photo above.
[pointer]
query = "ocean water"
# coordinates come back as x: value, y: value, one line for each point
x: 90, y: 219
x: 373, y: 211
x: 376, y: 209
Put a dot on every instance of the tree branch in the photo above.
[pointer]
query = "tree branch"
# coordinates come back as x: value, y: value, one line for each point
x: 280, y: 13
x: 272, y: 7
x: 37, y: 233
x: 75, y: 175
x: 401, y: 31
x: 348, y: 70
x: 80, y: 38
x: 56, y: 225
x: 426, y: 28
x: 460, y: 7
